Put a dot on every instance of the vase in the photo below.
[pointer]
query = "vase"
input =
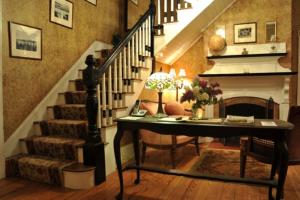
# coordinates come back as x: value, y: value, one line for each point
x: 198, y: 113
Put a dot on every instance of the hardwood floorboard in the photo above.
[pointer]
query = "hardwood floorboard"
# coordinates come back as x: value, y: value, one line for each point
x: 153, y: 186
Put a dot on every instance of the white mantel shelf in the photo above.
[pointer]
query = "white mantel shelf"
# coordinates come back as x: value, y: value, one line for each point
x: 247, y: 55
x: 250, y: 74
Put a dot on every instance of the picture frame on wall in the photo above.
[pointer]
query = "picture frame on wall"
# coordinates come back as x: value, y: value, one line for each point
x: 271, y: 34
x: 94, y: 2
x: 244, y: 33
x: 135, y: 2
x: 25, y: 41
x: 61, y: 12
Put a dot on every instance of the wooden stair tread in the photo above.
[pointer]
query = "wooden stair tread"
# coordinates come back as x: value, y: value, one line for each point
x: 78, y: 167
x: 71, y: 105
x: 67, y: 121
x: 56, y: 139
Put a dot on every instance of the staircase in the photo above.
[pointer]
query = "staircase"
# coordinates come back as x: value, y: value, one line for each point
x: 68, y: 148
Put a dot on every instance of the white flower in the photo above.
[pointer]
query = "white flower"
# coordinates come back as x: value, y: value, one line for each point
x: 205, y: 96
x: 196, y: 90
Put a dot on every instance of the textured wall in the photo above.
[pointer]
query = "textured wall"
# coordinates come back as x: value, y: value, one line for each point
x: 26, y: 82
x: 295, y: 41
x: 260, y: 11
x: 135, y: 11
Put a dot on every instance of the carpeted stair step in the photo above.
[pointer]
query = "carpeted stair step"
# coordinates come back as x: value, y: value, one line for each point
x: 75, y: 97
x: 70, y: 111
x: 64, y: 128
x: 53, y: 146
x: 37, y: 168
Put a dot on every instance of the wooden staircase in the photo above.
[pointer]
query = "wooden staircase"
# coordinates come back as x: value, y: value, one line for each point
x: 67, y: 148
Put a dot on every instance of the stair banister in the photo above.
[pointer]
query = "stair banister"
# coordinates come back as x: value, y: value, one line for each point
x: 93, y: 150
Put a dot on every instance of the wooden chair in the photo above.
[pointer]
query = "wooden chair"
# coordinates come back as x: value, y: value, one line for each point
x: 262, y: 150
x: 165, y: 142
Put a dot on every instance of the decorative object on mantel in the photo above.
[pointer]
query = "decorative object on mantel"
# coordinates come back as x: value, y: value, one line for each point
x: 216, y: 44
x: 271, y: 31
x: 202, y: 93
x: 245, y: 33
x: 159, y: 81
x: 245, y: 52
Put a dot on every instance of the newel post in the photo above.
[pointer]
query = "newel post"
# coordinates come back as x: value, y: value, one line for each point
x: 93, y: 150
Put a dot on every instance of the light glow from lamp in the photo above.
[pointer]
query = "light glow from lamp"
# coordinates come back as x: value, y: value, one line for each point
x: 220, y: 30
x: 182, y: 73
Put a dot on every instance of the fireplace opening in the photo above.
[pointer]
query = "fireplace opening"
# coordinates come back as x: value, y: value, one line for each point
x: 246, y: 106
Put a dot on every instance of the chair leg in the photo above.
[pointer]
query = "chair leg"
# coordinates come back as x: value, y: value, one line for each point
x: 243, y: 161
x: 197, y: 146
x: 172, y: 153
x: 144, y: 152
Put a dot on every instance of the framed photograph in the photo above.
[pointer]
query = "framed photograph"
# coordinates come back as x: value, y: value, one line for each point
x: 245, y: 33
x: 134, y: 1
x: 94, y: 2
x: 61, y: 12
x: 25, y: 41
x: 271, y: 31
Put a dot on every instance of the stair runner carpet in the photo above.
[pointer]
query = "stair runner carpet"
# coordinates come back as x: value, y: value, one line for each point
x: 57, y: 147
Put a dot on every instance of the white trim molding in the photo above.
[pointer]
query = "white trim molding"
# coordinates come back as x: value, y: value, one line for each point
x: 2, y: 160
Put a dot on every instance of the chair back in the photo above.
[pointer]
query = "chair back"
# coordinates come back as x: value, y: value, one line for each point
x: 294, y: 137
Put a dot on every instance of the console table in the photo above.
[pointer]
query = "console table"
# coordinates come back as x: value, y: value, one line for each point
x: 277, y: 133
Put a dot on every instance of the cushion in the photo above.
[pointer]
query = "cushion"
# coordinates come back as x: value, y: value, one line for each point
x: 174, y: 108
x: 151, y: 107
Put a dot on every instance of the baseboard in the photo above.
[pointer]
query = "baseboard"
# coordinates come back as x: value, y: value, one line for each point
x: 11, y: 146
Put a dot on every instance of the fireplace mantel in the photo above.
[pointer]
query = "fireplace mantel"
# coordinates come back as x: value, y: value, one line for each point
x: 257, y: 74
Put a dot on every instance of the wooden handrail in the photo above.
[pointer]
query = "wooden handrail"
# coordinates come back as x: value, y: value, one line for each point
x: 128, y: 37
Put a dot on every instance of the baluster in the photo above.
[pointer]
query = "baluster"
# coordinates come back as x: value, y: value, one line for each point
x: 103, y: 102
x: 174, y: 10
x: 136, y: 50
x: 115, y: 83
x: 129, y: 60
x: 162, y: 11
x: 109, y: 93
x: 124, y: 70
x: 149, y: 36
x: 140, y: 48
x: 169, y: 11
x: 120, y: 75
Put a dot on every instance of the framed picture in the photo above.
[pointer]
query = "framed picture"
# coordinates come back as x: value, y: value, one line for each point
x: 245, y: 33
x: 271, y: 31
x: 61, y: 12
x: 134, y: 1
x: 25, y: 41
x: 94, y: 2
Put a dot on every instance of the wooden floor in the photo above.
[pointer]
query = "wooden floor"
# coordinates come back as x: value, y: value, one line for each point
x: 152, y: 186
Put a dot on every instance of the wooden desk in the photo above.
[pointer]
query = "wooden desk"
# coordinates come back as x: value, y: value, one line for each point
x: 276, y: 133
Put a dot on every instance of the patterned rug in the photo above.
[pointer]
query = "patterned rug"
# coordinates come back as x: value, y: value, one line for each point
x: 227, y: 163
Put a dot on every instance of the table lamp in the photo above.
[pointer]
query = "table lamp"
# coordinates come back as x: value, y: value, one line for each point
x: 159, y: 81
x: 179, y: 83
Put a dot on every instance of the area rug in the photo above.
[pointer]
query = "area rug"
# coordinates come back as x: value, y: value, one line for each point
x: 227, y: 163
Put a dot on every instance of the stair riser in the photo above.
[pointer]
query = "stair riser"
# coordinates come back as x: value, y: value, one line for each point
x: 64, y: 130
x: 79, y: 180
x: 75, y: 98
x: 70, y: 113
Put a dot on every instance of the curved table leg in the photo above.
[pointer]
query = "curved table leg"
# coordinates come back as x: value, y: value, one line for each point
x: 117, y: 147
x: 284, y: 157
x: 136, y: 154
x: 274, y: 166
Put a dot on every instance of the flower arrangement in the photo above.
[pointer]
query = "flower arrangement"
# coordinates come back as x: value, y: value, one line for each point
x: 202, y: 92
x: 159, y: 81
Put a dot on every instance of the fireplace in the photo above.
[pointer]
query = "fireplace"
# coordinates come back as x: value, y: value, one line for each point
x: 246, y: 106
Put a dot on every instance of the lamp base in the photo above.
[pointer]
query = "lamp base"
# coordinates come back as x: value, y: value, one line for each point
x: 160, y: 115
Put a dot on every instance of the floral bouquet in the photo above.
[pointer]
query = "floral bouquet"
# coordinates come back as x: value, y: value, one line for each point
x: 202, y: 93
